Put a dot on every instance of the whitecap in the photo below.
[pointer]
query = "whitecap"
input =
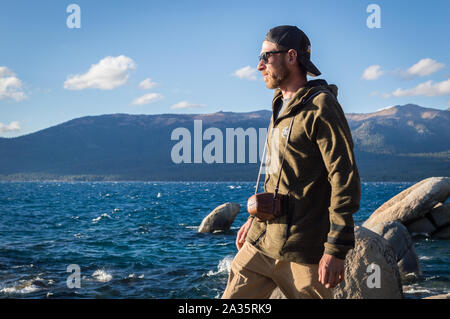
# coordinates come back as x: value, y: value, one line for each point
x: 22, y: 289
x: 23, y: 266
x: 224, y: 266
x: 94, y: 220
x: 425, y: 258
x: 417, y: 290
x: 26, y: 287
x: 432, y: 278
x: 101, y: 275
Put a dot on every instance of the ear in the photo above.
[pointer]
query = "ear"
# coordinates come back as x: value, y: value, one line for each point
x: 292, y: 56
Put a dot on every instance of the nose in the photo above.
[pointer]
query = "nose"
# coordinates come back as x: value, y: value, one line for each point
x: 261, y: 65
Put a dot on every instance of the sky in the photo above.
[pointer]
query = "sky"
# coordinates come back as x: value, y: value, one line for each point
x: 59, y: 62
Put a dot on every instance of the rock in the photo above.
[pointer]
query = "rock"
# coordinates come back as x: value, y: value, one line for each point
x: 422, y: 226
x: 220, y: 219
x: 360, y: 280
x: 443, y: 233
x: 434, y: 224
x: 412, y: 203
x: 440, y: 215
x: 400, y: 240
x: 446, y: 296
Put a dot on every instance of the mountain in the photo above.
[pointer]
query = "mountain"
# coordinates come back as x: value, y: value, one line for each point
x: 404, y: 143
x: 401, y: 129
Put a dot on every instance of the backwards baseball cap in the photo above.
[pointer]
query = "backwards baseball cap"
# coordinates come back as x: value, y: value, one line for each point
x: 292, y: 37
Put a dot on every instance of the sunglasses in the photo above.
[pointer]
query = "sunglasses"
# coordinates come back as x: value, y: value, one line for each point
x: 265, y: 55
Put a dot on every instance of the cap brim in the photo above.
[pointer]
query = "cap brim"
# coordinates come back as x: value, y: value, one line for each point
x: 311, y: 69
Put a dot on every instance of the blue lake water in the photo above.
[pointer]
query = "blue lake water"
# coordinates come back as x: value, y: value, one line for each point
x: 140, y: 240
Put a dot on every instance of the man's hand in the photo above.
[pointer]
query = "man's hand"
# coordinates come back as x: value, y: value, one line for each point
x: 242, y: 233
x: 331, y: 271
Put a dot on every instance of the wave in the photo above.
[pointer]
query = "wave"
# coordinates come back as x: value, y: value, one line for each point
x: 101, y: 275
x: 223, y: 267
x: 27, y: 286
x: 417, y: 290
x: 95, y: 220
x: 425, y: 258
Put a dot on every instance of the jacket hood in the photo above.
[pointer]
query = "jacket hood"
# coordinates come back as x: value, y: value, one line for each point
x: 305, y: 92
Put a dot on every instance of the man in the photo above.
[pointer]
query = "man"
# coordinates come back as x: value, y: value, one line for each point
x: 303, y: 250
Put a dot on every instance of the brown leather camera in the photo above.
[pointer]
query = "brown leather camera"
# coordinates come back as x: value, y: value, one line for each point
x: 265, y: 206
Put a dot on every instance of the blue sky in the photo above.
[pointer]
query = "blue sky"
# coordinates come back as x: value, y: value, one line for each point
x: 152, y: 57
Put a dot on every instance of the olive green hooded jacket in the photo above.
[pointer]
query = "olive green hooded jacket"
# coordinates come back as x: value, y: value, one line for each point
x: 319, y: 175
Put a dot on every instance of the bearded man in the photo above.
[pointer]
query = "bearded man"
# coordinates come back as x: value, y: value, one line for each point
x: 303, y: 250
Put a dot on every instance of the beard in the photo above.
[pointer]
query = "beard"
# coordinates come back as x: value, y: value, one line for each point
x: 275, y: 79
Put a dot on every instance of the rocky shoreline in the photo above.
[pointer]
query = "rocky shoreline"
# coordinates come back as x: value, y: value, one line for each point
x: 384, y: 257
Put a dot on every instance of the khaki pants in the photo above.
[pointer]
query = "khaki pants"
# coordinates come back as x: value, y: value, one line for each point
x: 254, y: 275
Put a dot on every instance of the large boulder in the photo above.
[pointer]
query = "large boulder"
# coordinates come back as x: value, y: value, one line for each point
x: 400, y: 240
x: 421, y: 226
x: 412, y: 203
x: 220, y: 219
x: 440, y: 216
x: 443, y: 233
x: 435, y: 223
x: 371, y: 270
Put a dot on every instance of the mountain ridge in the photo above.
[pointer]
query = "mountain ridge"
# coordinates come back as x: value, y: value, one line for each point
x: 406, y: 141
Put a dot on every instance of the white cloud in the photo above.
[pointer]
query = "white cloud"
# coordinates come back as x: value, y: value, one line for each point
x: 186, y: 105
x: 423, y: 68
x: 147, y: 84
x: 10, y: 85
x: 247, y: 72
x: 426, y: 89
x: 373, y: 72
x: 109, y: 73
x: 147, y: 98
x: 11, y: 127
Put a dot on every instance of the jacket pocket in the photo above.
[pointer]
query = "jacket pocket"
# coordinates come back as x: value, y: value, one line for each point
x: 256, y: 232
x: 254, y: 242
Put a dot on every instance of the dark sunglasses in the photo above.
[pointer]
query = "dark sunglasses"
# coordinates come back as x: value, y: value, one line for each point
x: 265, y: 55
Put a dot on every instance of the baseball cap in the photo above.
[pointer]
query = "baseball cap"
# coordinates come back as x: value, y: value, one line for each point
x: 292, y: 37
